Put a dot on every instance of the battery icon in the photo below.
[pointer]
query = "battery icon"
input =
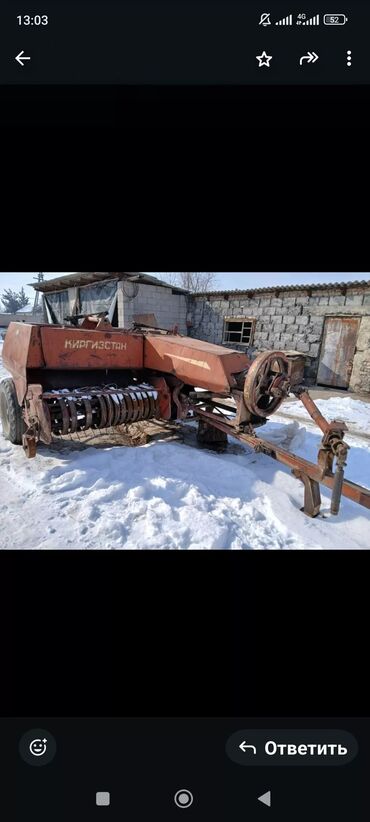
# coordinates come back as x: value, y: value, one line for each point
x: 335, y: 19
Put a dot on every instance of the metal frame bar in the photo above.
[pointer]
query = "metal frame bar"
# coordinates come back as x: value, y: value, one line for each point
x: 357, y: 493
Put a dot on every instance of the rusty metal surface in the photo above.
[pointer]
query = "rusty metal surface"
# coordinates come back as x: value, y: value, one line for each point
x: 74, y: 348
x: 194, y: 362
x: 313, y: 411
x: 164, y: 397
x: 329, y: 429
x: 312, y: 496
x: 146, y: 404
x: 29, y: 445
x: 98, y: 407
x: 29, y: 346
x: 36, y: 412
x: 88, y: 413
x: 103, y: 412
x: 22, y: 349
x: 296, y: 366
x: 43, y: 415
x: 72, y: 410
x: 354, y: 492
x: 129, y: 411
x: 337, y: 351
x: 65, y: 417
x: 267, y: 383
x: 110, y: 409
x: 154, y: 408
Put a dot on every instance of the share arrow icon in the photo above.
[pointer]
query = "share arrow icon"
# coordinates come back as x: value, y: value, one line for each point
x: 311, y: 57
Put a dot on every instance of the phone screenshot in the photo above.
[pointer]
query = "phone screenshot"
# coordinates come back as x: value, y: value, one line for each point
x: 184, y: 520
x: 154, y: 62
x: 191, y: 42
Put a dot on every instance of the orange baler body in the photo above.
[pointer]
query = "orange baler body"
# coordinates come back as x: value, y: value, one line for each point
x: 194, y: 362
x: 28, y: 346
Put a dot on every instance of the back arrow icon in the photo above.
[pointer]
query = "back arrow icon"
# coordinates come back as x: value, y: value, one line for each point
x: 311, y: 57
x: 20, y: 58
x: 265, y: 798
x: 243, y: 746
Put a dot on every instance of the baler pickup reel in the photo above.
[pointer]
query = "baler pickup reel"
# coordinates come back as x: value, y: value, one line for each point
x: 70, y: 379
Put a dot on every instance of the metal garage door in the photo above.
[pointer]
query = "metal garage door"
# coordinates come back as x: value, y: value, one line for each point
x: 337, y: 351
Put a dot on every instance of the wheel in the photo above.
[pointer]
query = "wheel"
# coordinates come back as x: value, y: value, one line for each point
x: 267, y: 383
x: 11, y: 413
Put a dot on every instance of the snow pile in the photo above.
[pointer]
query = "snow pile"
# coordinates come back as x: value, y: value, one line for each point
x: 166, y: 495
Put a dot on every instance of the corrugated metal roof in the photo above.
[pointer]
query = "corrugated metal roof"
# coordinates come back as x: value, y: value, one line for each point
x: 86, y: 278
x: 280, y: 288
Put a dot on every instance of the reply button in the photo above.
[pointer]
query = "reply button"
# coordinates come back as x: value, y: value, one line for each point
x: 291, y: 747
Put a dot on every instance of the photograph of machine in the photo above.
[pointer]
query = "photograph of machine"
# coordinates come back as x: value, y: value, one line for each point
x: 71, y: 379
x: 160, y: 412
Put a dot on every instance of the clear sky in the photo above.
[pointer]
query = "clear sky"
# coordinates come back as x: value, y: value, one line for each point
x: 229, y: 280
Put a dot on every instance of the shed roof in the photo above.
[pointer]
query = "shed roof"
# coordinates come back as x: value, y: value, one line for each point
x: 279, y: 288
x: 86, y: 278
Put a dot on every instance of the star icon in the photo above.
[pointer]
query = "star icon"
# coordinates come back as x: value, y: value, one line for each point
x: 264, y: 60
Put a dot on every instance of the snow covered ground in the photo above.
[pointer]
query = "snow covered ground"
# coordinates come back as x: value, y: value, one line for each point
x: 355, y: 413
x: 167, y: 495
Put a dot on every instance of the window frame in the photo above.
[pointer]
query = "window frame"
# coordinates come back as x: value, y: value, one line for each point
x: 249, y: 320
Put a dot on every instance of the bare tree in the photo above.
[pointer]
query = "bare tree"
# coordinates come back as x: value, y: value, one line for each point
x: 193, y: 281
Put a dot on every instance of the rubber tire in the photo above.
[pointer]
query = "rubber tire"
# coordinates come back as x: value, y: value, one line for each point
x: 11, y: 413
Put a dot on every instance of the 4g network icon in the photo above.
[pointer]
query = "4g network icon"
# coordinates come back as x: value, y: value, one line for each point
x: 302, y: 20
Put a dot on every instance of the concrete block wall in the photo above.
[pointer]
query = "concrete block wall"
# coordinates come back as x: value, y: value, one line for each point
x: 287, y: 320
x: 170, y: 309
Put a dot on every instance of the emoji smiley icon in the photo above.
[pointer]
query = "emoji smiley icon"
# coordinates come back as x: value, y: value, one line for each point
x: 38, y: 747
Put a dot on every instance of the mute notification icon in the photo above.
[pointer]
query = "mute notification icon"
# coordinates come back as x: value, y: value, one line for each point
x: 265, y: 19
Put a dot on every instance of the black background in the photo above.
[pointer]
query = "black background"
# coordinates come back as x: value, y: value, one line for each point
x: 271, y: 110
x: 172, y: 633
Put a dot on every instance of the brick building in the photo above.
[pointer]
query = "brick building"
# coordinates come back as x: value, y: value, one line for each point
x: 329, y: 324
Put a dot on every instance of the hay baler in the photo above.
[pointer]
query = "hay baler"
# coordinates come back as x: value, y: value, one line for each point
x: 71, y: 378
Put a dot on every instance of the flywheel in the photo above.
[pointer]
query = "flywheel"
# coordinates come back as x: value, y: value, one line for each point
x: 267, y: 383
